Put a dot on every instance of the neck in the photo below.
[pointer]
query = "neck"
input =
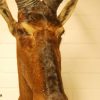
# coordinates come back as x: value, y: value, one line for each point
x: 51, y: 71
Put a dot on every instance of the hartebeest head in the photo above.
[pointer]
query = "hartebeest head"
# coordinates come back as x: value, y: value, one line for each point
x: 38, y: 34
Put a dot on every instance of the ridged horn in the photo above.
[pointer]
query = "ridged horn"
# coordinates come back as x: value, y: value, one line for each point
x: 26, y: 3
x: 52, y: 4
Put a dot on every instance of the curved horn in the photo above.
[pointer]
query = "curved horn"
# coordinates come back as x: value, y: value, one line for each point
x: 52, y: 4
x: 25, y: 3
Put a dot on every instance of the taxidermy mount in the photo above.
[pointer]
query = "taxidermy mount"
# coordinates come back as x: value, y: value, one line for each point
x: 38, y: 34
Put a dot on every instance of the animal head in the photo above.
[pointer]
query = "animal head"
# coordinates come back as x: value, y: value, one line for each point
x: 38, y: 33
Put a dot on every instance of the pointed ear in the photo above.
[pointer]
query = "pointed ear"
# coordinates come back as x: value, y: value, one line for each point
x: 67, y: 11
x: 5, y: 12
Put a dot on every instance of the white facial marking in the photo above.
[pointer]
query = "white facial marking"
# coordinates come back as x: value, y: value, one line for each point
x: 28, y: 27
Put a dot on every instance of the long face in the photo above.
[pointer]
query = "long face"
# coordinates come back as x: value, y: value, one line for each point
x: 38, y: 38
x: 38, y: 34
x: 39, y: 55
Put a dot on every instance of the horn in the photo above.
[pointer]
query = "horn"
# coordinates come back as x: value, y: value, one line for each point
x: 52, y: 4
x: 26, y: 3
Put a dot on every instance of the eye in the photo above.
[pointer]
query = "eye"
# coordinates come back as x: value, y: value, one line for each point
x: 22, y: 31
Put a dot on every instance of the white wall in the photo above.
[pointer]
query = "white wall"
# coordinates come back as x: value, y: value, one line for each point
x: 80, y: 51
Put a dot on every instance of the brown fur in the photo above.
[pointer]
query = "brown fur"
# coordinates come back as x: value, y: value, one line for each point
x: 31, y: 68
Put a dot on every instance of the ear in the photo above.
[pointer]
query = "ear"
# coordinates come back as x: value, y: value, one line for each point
x: 67, y: 11
x: 5, y: 12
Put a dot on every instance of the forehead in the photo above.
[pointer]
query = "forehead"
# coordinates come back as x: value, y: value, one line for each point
x: 37, y: 39
x: 45, y: 28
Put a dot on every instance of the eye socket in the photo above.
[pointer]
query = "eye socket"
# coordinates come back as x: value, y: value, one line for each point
x: 22, y: 31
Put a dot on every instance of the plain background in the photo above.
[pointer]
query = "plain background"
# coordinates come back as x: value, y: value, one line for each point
x: 80, y: 49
